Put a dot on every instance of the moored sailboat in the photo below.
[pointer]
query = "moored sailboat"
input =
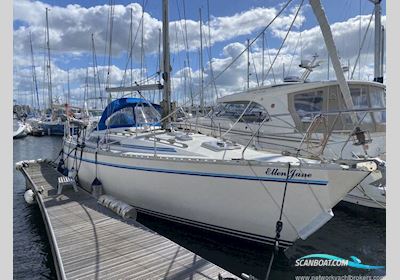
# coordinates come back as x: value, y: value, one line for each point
x: 199, y: 180
x: 205, y: 181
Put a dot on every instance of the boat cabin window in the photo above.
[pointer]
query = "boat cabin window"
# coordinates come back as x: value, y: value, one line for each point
x: 304, y: 106
x: 308, y: 105
x: 254, y: 113
x: 121, y: 118
x: 360, y: 99
x: 146, y: 115
x: 377, y: 97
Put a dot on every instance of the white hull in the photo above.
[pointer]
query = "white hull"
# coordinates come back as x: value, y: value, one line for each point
x: 369, y: 196
x: 225, y: 196
x: 20, y: 132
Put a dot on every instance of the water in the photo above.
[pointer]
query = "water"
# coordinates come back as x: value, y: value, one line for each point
x: 32, y: 257
x: 349, y: 233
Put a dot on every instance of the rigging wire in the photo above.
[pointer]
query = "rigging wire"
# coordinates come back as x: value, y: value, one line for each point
x: 159, y: 55
x: 361, y: 46
x: 295, y: 49
x: 176, y: 55
x: 209, y: 49
x: 106, y: 40
x: 254, y: 66
x: 130, y: 40
x: 270, y: 62
x: 187, y: 54
x: 44, y: 73
x: 130, y: 58
x: 86, y: 90
x: 94, y: 75
x: 286, y: 36
x: 177, y: 45
x: 239, y: 55
x: 201, y: 63
x: 142, y: 45
x: 97, y: 71
x: 34, y: 73
x: 273, y: 62
x: 110, y: 43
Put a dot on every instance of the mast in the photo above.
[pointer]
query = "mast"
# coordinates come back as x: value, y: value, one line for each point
x: 142, y: 47
x: 131, y: 46
x: 184, y: 81
x: 248, y: 63
x: 86, y: 90
x: 94, y: 73
x: 262, y: 58
x: 187, y: 56
x: 69, y: 91
x: 159, y: 61
x: 359, y: 47
x: 50, y: 88
x: 201, y: 66
x: 209, y: 49
x: 33, y: 97
x: 378, y: 73
x: 111, y: 18
x: 330, y: 45
x: 34, y: 72
x: 383, y: 50
x: 166, y: 103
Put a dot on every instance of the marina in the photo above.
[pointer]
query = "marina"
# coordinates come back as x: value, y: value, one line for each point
x: 362, y: 233
x: 90, y: 242
x: 155, y: 176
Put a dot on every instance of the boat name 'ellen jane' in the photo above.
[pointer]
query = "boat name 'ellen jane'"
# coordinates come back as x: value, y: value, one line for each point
x: 292, y: 173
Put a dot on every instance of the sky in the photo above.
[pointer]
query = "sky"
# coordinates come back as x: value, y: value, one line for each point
x: 225, y: 31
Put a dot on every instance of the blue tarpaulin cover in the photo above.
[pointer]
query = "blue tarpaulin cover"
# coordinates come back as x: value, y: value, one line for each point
x: 120, y: 104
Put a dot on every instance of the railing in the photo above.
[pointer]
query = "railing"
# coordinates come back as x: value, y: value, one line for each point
x: 285, y: 121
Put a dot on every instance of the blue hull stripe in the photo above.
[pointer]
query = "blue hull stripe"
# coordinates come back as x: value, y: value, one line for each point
x: 206, y: 174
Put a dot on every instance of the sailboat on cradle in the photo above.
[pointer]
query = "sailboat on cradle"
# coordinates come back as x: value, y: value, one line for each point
x: 204, y: 181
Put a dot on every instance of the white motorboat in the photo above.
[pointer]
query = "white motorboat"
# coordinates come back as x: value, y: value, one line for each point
x: 20, y: 132
x: 333, y: 119
x: 308, y: 119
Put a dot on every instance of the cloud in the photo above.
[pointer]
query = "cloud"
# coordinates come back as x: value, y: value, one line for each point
x: 299, y: 45
x: 71, y: 26
x: 345, y: 34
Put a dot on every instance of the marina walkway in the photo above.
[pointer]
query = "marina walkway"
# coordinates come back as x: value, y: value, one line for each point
x: 89, y: 241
